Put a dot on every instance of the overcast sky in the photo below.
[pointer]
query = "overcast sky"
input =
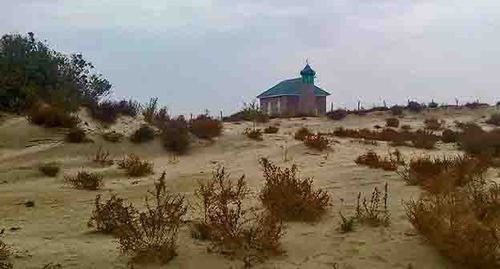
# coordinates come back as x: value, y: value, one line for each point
x: 210, y: 54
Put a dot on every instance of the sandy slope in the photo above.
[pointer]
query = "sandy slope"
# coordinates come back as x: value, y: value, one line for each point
x: 55, y: 229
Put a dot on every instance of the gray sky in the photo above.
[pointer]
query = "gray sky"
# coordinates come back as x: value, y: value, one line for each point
x: 197, y: 54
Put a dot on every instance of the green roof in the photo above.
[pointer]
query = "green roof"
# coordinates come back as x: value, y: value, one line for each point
x: 290, y: 87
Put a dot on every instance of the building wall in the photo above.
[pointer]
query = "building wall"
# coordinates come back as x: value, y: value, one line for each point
x: 291, y: 105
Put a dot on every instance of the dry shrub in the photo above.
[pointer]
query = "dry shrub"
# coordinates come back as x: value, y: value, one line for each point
x: 108, y: 111
x: 397, y: 110
x: 433, y: 124
x: 443, y: 174
x: 494, y: 119
x: 151, y: 235
x: 144, y: 134
x: 86, y: 181
x: 449, y: 136
x: 289, y: 197
x: 374, y: 211
x: 373, y: 160
x: 52, y: 266
x: 102, y: 157
x: 271, y: 130
x: 50, y: 169
x: 347, y: 223
x: 406, y: 127
x: 392, y: 122
x: 317, y: 142
x: 112, y: 136
x: 478, y: 142
x: 462, y: 224
x: 150, y: 110
x: 135, y: 167
x: 255, y: 134
x: 337, y: 114
x: 175, y: 135
x: 424, y: 139
x: 302, y: 133
x: 234, y: 229
x: 415, y: 107
x: 5, y: 253
x: 76, y: 135
x: 205, y: 127
x: 51, y: 116
x: 249, y: 112
x: 107, y: 217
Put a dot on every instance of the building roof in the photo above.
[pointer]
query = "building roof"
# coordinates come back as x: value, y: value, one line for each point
x: 290, y: 87
x: 307, y: 71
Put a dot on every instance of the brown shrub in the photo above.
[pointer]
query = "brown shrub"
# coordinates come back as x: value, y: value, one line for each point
x: 317, y: 142
x: 424, y: 139
x: 4, y: 251
x: 175, y: 135
x: 234, y: 229
x: 433, y: 124
x: 337, y: 114
x: 86, y: 181
x: 392, y: 122
x: 51, y: 116
x: 144, y: 134
x: 443, y: 174
x: 477, y: 142
x: 449, y: 136
x: 289, y: 197
x: 49, y: 169
x: 302, y: 133
x: 107, y: 217
x: 374, y: 211
x: 255, y: 134
x: 76, y: 135
x: 373, y: 160
x: 205, y: 127
x: 102, y: 157
x: 494, y: 119
x: 151, y: 235
x: 271, y: 130
x: 135, y: 167
x: 112, y: 136
x: 459, y: 223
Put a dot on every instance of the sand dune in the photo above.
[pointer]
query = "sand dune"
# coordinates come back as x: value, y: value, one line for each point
x: 55, y: 229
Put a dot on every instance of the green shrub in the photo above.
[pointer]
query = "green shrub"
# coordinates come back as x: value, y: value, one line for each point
x: 85, y: 180
x: 76, y: 135
x: 175, y: 135
x: 50, y: 116
x: 255, y: 134
x: 494, y: 119
x: 392, y: 122
x: 49, y: 169
x: 135, y: 167
x: 302, y: 133
x: 112, y: 136
x: 271, y: 130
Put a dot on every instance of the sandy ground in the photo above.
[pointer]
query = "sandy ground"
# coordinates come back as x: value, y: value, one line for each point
x: 55, y: 229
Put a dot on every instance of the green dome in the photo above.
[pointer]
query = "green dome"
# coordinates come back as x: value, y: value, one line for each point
x: 307, y: 71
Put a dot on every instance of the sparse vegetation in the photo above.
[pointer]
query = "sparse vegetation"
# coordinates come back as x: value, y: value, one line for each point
x: 101, y: 157
x: 175, y: 135
x: 235, y: 229
x: 433, y: 124
x: 112, y: 136
x: 5, y: 253
x: 271, y: 130
x: 255, y: 134
x: 144, y: 134
x: 151, y: 235
x: 86, y: 181
x: 50, y: 169
x: 302, y: 133
x: 392, y: 122
x: 443, y: 174
x: 50, y: 116
x: 135, y: 167
x: 107, y: 217
x: 317, y: 142
x: 462, y: 224
x: 374, y: 211
x: 76, y: 135
x: 205, y: 127
x: 373, y: 160
x: 338, y: 114
x: 494, y: 119
x: 289, y: 197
